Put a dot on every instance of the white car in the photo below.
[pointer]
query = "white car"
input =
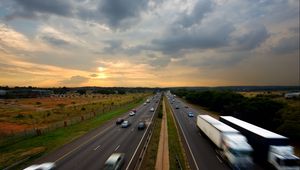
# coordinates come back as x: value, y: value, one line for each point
x: 152, y: 109
x: 44, y: 166
x: 132, y: 113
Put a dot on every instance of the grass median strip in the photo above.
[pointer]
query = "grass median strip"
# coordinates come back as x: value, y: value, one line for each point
x: 176, y: 152
x: 40, y: 145
x: 151, y: 153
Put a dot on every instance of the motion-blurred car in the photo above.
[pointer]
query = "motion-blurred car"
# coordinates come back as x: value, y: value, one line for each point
x: 191, y: 114
x: 176, y: 107
x: 119, y: 121
x: 114, y: 162
x: 141, y: 125
x: 152, y: 109
x: 125, y: 124
x: 44, y: 166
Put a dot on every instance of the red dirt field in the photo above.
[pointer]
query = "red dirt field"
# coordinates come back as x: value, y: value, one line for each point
x: 7, y: 128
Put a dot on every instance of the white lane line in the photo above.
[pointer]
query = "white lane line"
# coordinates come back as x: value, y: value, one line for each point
x: 219, y: 159
x: 141, y: 139
x: 97, y: 147
x: 185, y: 139
x: 117, y: 147
x: 84, y: 143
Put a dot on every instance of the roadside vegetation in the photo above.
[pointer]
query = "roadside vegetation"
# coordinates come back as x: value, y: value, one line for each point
x: 269, y: 110
x: 31, y: 148
x: 177, y: 156
x: 150, y: 157
x: 21, y: 114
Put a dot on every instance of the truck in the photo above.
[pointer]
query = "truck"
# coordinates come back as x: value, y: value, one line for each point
x: 270, y: 149
x: 230, y: 143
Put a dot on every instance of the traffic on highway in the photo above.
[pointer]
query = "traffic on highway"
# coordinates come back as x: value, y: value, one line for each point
x: 229, y: 143
x: 115, y: 145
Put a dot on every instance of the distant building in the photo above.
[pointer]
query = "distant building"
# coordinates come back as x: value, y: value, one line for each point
x: 292, y: 95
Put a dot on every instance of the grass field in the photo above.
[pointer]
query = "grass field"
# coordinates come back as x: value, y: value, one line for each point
x: 176, y: 152
x: 37, y: 146
x: 17, y: 115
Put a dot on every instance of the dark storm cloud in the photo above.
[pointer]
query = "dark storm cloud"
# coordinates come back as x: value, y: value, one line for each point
x: 200, y: 9
x: 75, y: 80
x: 118, y: 13
x: 251, y: 39
x: 30, y: 8
x: 115, y: 14
x: 209, y: 35
x: 287, y: 45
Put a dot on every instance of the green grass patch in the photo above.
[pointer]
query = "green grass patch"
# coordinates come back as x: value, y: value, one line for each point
x: 40, y: 145
x: 149, y: 160
x: 177, y: 155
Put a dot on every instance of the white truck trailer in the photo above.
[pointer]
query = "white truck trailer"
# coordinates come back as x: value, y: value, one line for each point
x: 232, y: 144
x: 269, y: 148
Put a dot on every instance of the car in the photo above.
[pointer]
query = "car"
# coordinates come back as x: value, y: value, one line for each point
x: 176, y: 107
x: 119, y: 121
x: 191, y: 114
x: 114, y: 162
x: 141, y: 125
x: 131, y: 113
x: 134, y: 110
x: 43, y: 166
x: 152, y: 109
x: 125, y: 124
x: 145, y: 104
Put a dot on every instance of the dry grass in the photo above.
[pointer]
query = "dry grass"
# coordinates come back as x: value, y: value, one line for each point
x: 17, y: 115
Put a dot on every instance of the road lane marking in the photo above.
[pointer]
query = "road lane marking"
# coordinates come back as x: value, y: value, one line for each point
x: 185, y: 138
x: 219, y: 159
x: 117, y: 147
x: 65, y: 155
x: 141, y: 139
x: 132, y: 129
x: 97, y: 147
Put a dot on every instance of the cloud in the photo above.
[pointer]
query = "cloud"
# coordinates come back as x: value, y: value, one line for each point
x: 93, y: 75
x: 121, y: 13
x: 200, y: 9
x: 75, y: 80
x: 253, y: 36
x: 287, y: 45
x: 33, y: 8
x: 204, y: 36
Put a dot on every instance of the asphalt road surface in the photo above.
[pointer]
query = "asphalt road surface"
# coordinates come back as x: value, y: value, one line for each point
x: 200, y: 151
x: 90, y: 151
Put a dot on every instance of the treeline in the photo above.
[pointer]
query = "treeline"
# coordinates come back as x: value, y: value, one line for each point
x: 260, y: 110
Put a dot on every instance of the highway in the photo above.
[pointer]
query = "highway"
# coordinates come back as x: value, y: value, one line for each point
x: 90, y: 151
x: 200, y: 151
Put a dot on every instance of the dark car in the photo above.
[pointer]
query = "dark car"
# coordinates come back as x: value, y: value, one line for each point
x: 141, y: 125
x: 119, y: 121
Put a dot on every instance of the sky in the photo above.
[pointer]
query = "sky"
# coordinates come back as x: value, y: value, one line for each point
x: 149, y: 43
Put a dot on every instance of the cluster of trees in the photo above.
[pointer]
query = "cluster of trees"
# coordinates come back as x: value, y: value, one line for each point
x: 261, y: 111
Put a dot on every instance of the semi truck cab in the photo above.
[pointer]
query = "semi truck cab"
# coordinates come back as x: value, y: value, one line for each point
x: 237, y: 150
x: 283, y: 158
